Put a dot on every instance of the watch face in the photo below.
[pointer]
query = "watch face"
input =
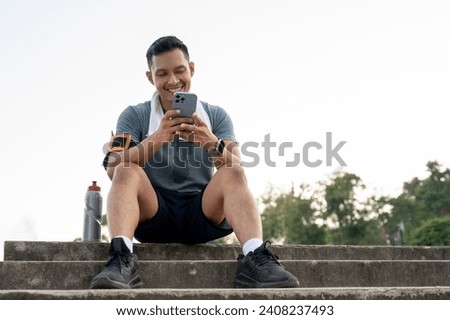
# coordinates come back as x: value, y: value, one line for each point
x: 220, y: 146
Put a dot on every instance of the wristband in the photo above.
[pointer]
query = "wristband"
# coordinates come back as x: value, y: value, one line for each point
x: 119, y: 142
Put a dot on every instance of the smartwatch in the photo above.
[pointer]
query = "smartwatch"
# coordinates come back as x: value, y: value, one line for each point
x: 218, y: 149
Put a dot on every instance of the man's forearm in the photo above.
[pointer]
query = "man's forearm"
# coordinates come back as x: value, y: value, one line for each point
x: 139, y: 154
x: 229, y: 157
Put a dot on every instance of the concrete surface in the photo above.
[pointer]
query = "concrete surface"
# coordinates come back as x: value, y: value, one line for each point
x: 220, y: 274
x: 63, y: 270
x: 399, y: 293
x: 75, y: 251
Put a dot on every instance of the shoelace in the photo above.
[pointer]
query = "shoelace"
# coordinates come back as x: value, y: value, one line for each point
x: 266, y: 257
x: 119, y: 259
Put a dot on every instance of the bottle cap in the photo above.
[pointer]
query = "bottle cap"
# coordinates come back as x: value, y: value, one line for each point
x: 94, y: 187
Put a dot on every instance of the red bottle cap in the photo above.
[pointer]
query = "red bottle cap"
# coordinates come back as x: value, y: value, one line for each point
x: 94, y: 187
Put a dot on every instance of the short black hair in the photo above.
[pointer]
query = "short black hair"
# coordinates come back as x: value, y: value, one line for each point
x: 165, y: 44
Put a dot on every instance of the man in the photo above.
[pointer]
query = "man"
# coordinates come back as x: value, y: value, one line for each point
x: 163, y: 184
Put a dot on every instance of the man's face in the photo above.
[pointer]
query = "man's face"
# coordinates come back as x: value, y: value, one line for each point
x: 170, y: 72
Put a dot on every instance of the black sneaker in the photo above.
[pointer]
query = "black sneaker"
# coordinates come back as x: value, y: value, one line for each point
x: 261, y: 269
x: 121, y: 270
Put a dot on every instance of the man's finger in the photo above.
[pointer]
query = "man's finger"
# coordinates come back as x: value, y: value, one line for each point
x: 197, y: 120
x: 188, y: 127
x: 171, y: 113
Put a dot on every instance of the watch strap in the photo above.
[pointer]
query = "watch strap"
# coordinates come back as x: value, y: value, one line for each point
x: 218, y: 148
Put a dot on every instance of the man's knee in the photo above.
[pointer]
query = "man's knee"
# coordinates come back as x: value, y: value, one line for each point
x: 127, y: 171
x: 235, y: 172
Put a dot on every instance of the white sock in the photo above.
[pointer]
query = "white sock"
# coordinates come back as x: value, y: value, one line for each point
x: 127, y: 241
x: 251, y: 245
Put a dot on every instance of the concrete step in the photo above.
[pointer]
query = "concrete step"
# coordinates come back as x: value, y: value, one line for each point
x: 391, y: 293
x: 76, y: 275
x: 76, y: 251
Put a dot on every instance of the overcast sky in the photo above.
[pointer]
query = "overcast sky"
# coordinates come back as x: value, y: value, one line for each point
x: 375, y: 74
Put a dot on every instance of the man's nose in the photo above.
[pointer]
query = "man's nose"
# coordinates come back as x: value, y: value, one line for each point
x: 173, y: 79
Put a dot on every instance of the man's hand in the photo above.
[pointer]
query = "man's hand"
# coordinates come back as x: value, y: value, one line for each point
x: 198, y: 133
x: 168, y: 128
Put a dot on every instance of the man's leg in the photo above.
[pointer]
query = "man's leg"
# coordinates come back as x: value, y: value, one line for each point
x: 131, y: 199
x: 228, y: 196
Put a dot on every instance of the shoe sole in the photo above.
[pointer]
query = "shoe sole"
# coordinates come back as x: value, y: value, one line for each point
x: 243, y: 281
x: 106, y: 283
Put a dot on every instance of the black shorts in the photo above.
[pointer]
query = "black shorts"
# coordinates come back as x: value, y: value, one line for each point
x: 180, y: 219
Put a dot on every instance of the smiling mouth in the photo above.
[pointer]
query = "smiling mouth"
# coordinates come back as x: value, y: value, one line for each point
x: 173, y: 90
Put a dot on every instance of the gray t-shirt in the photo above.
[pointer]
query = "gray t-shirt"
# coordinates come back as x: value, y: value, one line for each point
x: 179, y: 165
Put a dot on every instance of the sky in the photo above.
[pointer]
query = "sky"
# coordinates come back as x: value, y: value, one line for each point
x: 374, y: 75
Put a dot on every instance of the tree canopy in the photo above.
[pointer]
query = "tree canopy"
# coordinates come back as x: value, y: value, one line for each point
x: 334, y: 212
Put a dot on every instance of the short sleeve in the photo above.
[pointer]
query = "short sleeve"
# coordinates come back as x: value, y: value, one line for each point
x: 222, y: 124
x: 128, y: 122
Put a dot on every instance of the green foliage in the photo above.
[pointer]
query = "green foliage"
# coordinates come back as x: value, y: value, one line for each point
x: 421, y: 200
x: 300, y: 223
x: 436, y: 190
x: 290, y: 217
x: 354, y: 221
x: 340, y: 198
x: 434, y: 232
x: 404, y: 211
x: 334, y: 213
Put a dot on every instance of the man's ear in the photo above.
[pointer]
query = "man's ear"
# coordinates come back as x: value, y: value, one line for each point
x: 191, y: 68
x: 150, y: 77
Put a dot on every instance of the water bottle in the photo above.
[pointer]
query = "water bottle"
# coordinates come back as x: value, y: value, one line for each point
x: 92, y: 213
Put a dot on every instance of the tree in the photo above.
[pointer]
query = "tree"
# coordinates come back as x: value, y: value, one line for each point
x: 420, y: 201
x: 340, y: 198
x: 338, y: 207
x: 272, y: 215
x: 435, y: 190
x: 335, y: 213
x: 374, y: 216
x: 290, y: 218
x: 434, y: 232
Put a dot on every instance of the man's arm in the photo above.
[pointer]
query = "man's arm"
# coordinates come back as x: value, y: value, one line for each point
x: 230, y: 156
x: 142, y: 152
x: 138, y: 154
x: 200, y: 134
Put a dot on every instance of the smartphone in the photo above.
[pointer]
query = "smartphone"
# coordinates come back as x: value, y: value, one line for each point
x: 186, y: 102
